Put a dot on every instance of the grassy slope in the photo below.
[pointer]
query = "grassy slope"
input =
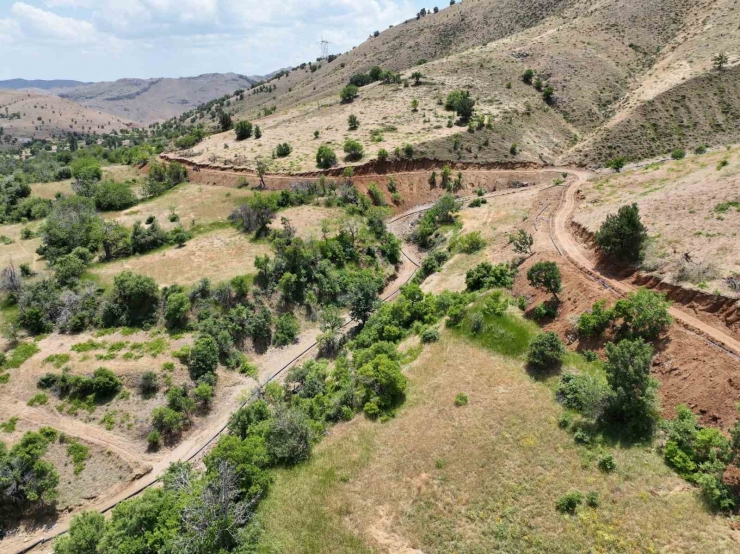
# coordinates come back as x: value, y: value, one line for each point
x: 480, y: 478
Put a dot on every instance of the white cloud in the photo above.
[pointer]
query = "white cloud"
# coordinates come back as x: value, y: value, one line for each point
x: 118, y: 38
x: 48, y: 25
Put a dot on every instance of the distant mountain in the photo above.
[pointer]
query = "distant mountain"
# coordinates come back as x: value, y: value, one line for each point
x: 150, y: 100
x: 43, y: 84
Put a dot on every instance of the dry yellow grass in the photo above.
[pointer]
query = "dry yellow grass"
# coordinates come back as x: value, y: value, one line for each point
x: 479, y: 478
x: 218, y: 255
x: 678, y: 203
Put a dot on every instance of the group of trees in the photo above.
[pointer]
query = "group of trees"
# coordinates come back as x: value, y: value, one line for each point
x: 529, y: 78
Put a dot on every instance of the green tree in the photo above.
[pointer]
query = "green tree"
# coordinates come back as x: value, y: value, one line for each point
x: 719, y: 61
x: 348, y: 94
x: 546, y: 352
x: 617, y: 164
x: 73, y: 222
x: 381, y: 385
x: 176, y: 309
x: 522, y: 242
x: 547, y: 94
x: 632, y: 399
x: 375, y: 73
x: 545, y: 276
x: 644, y: 314
x: 461, y: 103
x: 114, y: 196
x: 325, y: 157
x: 352, y: 122
x: 85, y: 533
x: 622, y: 236
x: 363, y: 295
x: 353, y: 149
x: 382, y: 155
x: 243, y: 130
x: 527, y: 76
x: 224, y: 121
x: 203, y: 356
x: 257, y: 132
x: 288, y: 439
x: 68, y: 269
x: 416, y: 76
x: 133, y: 301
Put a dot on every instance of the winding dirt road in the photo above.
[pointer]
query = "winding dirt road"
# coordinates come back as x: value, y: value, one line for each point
x: 571, y: 250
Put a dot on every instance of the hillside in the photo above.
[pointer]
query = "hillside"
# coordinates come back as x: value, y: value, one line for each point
x: 638, y: 71
x: 150, y: 100
x: 42, y: 84
x: 25, y: 115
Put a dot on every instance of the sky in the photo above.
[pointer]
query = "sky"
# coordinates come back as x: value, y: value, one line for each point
x: 104, y: 40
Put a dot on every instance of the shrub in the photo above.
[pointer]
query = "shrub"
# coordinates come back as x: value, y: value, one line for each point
x: 203, y: 357
x: 678, y: 154
x: 381, y: 382
x: 595, y: 322
x: 288, y: 439
x: 113, y: 196
x: 348, y: 94
x: 617, y: 164
x: 701, y: 149
x: 176, y: 309
x: 545, y: 352
x: 286, y: 330
x: 353, y: 123
x: 486, y: 275
x: 149, y: 383
x: 325, y: 157
x: 382, y: 155
x: 105, y: 383
x: 568, y: 503
x: 153, y: 439
x: 542, y: 310
x: 583, y: 393
x: 167, y: 421
x: 461, y: 399
x: 430, y: 334
x: 528, y: 76
x: 606, y: 463
x: 522, y: 242
x: 461, y: 103
x: 644, y: 314
x: 592, y: 499
x: 133, y: 302
x: 468, y: 243
x: 622, y: 236
x: 243, y: 130
x: 85, y: 532
x: 545, y: 276
x: 283, y: 150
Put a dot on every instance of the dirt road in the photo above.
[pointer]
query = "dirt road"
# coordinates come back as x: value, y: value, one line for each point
x: 571, y: 249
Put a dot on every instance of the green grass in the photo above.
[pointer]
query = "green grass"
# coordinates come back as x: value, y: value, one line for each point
x: 79, y: 454
x: 20, y: 354
x: 57, y: 360
x: 508, y: 334
x: 39, y: 399
x: 88, y: 346
x: 9, y: 426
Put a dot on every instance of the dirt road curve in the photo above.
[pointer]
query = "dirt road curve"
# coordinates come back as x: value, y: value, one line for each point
x: 572, y: 250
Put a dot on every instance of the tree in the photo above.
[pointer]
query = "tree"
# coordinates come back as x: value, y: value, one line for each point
x: 224, y: 121
x: 545, y: 276
x: 527, y: 76
x: 257, y: 132
x: 522, y: 242
x: 382, y: 155
x: 72, y: 141
x: 644, y: 314
x: 203, y: 356
x: 179, y: 235
x: 114, y: 196
x: 622, y: 236
x: 617, y: 164
x: 353, y: 149
x: 547, y: 94
x: 632, y: 398
x: 243, y: 130
x: 261, y: 170
x: 416, y: 76
x: 545, y: 352
x: 720, y: 61
x: 288, y: 440
x: 382, y: 386
x: 115, y: 240
x: 348, y: 94
x: 176, y: 309
x: 363, y: 295
x: 461, y: 103
x: 167, y: 421
x: 85, y: 533
x: 414, y: 105
x: 73, y: 222
x: 353, y: 122
x: 149, y: 383
x: 68, y: 269
x: 283, y: 150
x: 253, y: 217
x: 325, y: 157
x: 375, y: 73
x: 134, y: 300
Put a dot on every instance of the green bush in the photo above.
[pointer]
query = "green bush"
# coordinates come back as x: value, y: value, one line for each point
x: 430, y: 334
x: 643, y: 313
x: 149, y: 383
x: 85, y: 533
x: 678, y: 154
x: 468, y: 243
x: 542, y: 311
x: 325, y: 157
x: 203, y: 356
x: 592, y: 499
x: 486, y: 276
x: 595, y: 322
x: 583, y: 393
x: 286, y: 330
x: 545, y: 352
x: 348, y: 94
x: 353, y: 149
x: 283, y: 150
x: 545, y: 276
x: 114, y: 196
x: 153, y: 439
x: 568, y: 503
x: 288, y: 439
x: 167, y: 421
x: 243, y: 130
x: 461, y: 399
x: 606, y: 463
x: 176, y: 309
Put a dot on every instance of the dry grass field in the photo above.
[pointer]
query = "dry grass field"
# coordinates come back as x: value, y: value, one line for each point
x: 479, y: 478
x: 689, y: 207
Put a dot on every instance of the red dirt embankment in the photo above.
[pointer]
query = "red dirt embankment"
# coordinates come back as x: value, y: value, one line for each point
x: 722, y: 312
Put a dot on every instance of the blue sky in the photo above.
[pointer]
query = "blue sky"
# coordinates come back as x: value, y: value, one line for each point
x: 101, y: 40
